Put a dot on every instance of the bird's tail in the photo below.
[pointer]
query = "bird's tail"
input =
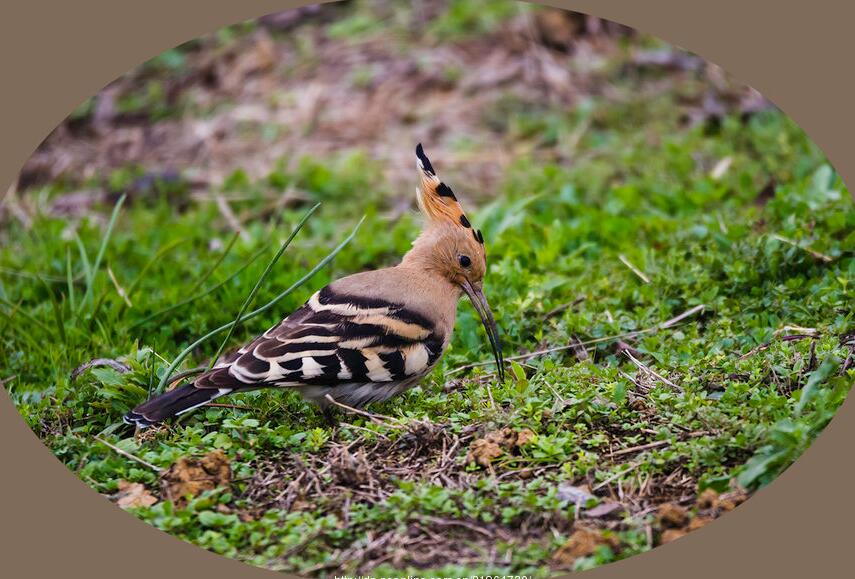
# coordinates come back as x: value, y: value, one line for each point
x: 176, y: 401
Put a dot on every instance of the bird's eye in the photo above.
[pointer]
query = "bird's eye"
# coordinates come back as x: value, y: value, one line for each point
x: 464, y: 260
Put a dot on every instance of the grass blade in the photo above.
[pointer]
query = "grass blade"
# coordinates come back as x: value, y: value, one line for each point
x: 16, y: 309
x: 258, y: 284
x: 205, y: 293
x: 84, y: 258
x: 69, y: 278
x: 33, y: 276
x: 320, y: 265
x: 87, y: 297
x: 57, y: 312
x: 217, y: 263
x: 157, y: 257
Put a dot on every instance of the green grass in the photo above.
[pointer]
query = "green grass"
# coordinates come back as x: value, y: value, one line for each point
x: 747, y: 403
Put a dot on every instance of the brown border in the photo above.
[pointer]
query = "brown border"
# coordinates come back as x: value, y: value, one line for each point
x: 55, y: 54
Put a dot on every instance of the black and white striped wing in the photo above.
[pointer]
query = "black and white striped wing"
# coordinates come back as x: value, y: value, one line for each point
x: 334, y: 339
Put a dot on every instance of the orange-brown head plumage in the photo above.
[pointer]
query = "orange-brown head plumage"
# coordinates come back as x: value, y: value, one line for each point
x: 450, y: 247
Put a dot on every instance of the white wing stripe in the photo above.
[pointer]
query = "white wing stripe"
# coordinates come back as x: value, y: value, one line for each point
x: 344, y: 309
x: 377, y: 372
x: 311, y: 368
x: 415, y: 359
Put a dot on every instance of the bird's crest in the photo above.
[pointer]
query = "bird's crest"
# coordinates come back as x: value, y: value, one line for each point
x: 436, y: 199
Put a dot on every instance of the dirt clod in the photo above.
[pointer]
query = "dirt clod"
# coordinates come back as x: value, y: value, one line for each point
x: 133, y: 495
x: 707, y: 499
x: 672, y: 515
x: 698, y: 522
x: 483, y: 451
x: 524, y: 436
x: 582, y: 542
x: 190, y: 477
x: 672, y: 535
x: 350, y: 469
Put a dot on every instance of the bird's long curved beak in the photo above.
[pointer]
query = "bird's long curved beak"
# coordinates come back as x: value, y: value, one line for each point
x: 479, y: 302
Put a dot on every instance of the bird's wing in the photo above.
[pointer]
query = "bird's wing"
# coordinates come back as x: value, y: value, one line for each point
x: 334, y: 339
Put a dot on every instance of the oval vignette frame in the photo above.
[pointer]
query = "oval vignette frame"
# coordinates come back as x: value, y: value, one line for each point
x: 777, y: 498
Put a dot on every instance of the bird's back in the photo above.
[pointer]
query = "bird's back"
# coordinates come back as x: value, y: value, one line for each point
x: 363, y: 338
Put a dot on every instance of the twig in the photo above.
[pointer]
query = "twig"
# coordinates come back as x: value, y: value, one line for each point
x: 230, y: 217
x: 811, y: 332
x: 457, y: 523
x: 119, y: 289
x: 357, y: 427
x: 651, y: 371
x: 681, y: 317
x: 788, y: 338
x: 376, y: 418
x: 490, y: 396
x: 665, y: 325
x: 114, y: 364
x: 814, y: 254
x: 223, y: 405
x: 627, y: 470
x: 640, y: 447
x: 562, y: 307
x: 127, y: 454
x: 644, y: 389
x: 655, y: 444
x: 634, y: 269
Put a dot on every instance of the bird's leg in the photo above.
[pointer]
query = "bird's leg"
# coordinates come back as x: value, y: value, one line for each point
x: 330, y: 416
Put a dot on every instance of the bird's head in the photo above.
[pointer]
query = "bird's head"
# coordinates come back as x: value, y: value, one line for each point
x: 451, y: 247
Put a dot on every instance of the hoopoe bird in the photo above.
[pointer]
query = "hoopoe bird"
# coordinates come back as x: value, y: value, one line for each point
x: 368, y: 336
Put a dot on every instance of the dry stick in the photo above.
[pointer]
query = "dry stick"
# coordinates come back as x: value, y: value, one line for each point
x: 96, y: 362
x: 127, y: 454
x: 627, y: 470
x: 356, y: 427
x: 788, y: 338
x: 651, y: 371
x: 681, y: 317
x: 222, y: 405
x: 230, y: 217
x: 376, y: 418
x: 210, y: 271
x: 562, y: 307
x: 648, y: 446
x: 457, y: 523
x: 643, y: 389
x: 119, y: 289
x: 814, y: 254
x: 664, y: 325
x: 655, y: 444
x: 634, y: 269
